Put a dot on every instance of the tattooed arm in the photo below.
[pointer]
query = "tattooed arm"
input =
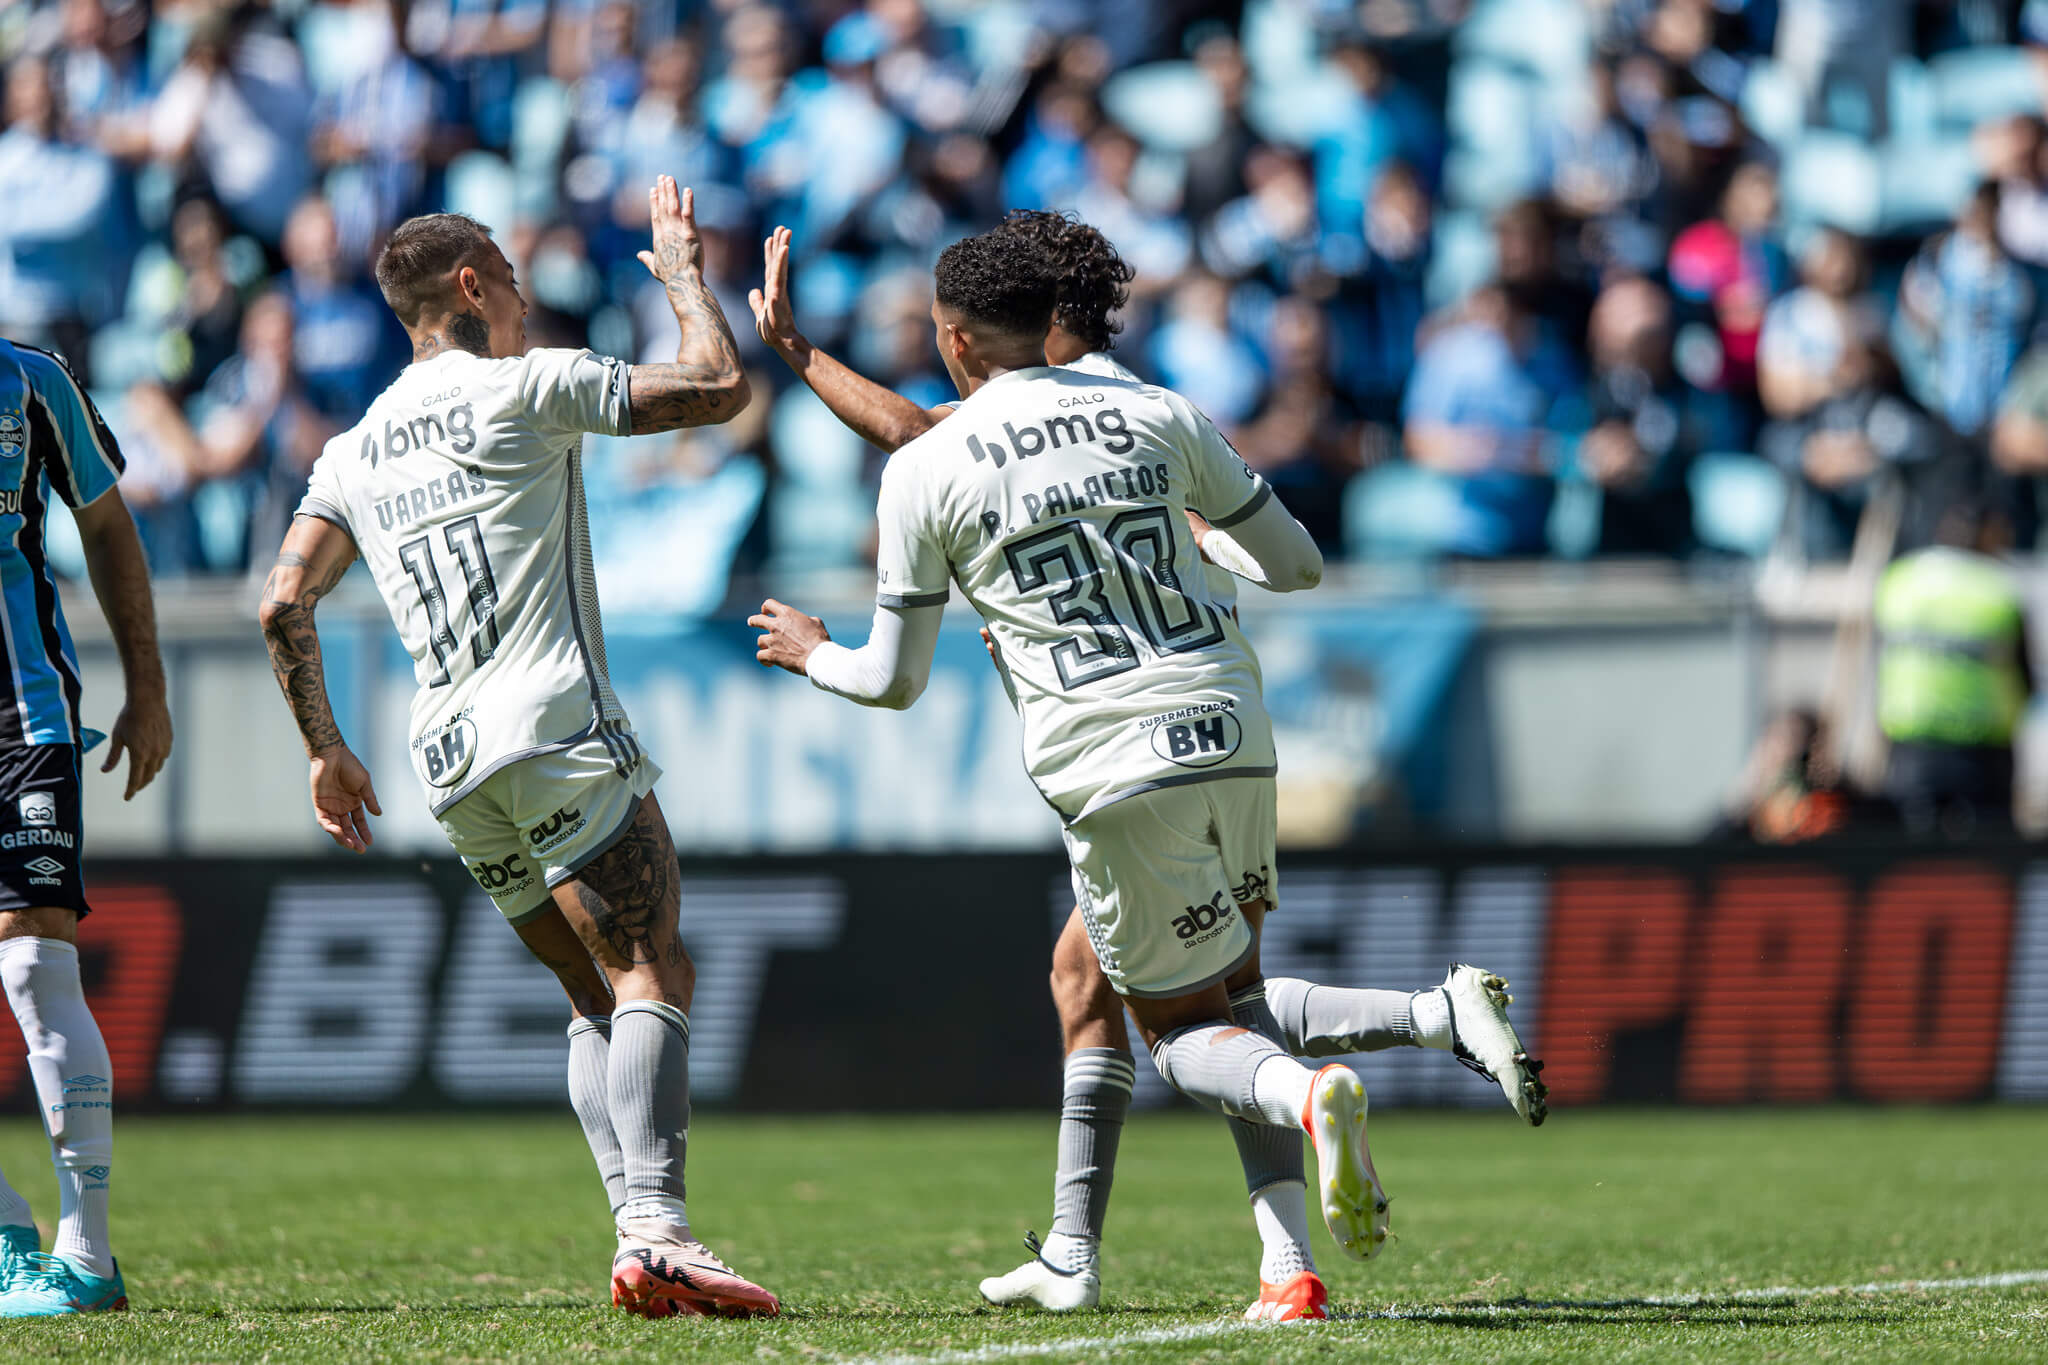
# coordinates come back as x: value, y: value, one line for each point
x: 316, y: 554
x: 705, y: 385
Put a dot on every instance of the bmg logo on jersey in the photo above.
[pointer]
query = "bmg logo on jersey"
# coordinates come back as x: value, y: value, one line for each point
x: 1203, y: 922
x: 1196, y: 736
x: 38, y: 808
x: 504, y: 877
x: 556, y: 829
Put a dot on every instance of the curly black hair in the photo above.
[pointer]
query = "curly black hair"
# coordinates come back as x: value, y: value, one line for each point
x: 988, y: 280
x: 1094, y: 281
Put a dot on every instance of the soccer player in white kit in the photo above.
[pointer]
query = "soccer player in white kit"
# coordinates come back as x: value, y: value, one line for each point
x: 1058, y: 501
x: 1465, y: 1016
x: 462, y: 490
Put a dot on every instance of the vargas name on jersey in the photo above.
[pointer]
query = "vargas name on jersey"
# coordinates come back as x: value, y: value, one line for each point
x: 463, y: 490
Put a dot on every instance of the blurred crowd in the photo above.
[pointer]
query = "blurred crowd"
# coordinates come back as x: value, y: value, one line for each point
x: 1478, y: 278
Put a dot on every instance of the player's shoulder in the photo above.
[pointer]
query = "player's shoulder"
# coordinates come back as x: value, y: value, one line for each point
x: 41, y: 369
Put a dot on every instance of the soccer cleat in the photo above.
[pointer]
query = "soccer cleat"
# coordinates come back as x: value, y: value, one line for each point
x: 1041, y: 1282
x: 1484, y: 1040
x: 52, y: 1286
x: 657, y: 1275
x: 18, y: 1242
x: 1301, y: 1298
x: 1354, y: 1205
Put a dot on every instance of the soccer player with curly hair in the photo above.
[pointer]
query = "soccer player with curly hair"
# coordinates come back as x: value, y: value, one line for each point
x: 1026, y: 314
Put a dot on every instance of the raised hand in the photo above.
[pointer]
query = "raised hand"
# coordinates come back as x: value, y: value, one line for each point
x: 677, y: 252
x: 774, y: 323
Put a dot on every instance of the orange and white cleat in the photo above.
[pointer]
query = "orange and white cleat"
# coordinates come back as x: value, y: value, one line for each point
x: 1302, y: 1298
x: 1354, y: 1205
x: 658, y: 1275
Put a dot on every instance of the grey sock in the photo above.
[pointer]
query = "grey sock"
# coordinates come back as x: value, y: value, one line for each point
x: 1096, y: 1097
x: 1216, y: 1064
x: 648, y: 1081
x: 1268, y: 1154
x: 590, y: 1043
x: 1329, y: 1021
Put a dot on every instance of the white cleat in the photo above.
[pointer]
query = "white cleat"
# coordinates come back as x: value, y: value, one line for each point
x: 1039, y: 1281
x: 1347, y: 1187
x: 1484, y: 1040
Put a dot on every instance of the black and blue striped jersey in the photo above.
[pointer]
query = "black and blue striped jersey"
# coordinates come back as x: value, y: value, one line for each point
x: 51, y: 437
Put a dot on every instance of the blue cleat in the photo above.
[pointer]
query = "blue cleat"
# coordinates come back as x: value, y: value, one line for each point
x: 18, y: 1242
x: 49, y: 1286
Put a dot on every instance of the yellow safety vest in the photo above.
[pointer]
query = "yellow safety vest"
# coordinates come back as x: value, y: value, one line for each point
x: 1948, y: 669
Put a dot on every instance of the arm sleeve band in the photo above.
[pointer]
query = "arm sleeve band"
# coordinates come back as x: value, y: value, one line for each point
x: 1269, y: 548
x: 891, y: 669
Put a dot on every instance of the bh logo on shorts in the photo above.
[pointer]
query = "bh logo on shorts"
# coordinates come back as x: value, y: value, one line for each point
x: 13, y: 434
x: 1204, y: 922
x: 1196, y: 736
x: 38, y: 808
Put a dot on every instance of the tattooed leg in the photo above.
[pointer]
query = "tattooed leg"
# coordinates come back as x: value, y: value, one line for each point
x: 623, y: 907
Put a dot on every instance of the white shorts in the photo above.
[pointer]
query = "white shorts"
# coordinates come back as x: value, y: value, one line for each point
x: 534, y: 824
x: 1158, y: 878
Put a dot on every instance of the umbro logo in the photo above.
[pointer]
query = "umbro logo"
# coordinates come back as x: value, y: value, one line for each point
x: 46, y: 866
x: 98, y: 1172
x: 86, y: 1082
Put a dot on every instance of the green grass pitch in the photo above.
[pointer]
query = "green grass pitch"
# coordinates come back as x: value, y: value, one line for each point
x: 1602, y: 1236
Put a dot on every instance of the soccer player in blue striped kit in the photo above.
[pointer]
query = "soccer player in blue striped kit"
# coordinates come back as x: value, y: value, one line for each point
x: 53, y: 439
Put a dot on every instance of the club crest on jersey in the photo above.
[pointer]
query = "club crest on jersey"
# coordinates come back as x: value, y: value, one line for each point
x: 38, y: 808
x: 444, y: 753
x: 13, y: 434
x: 1195, y: 736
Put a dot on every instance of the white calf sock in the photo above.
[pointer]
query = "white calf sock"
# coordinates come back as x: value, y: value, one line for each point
x: 68, y: 1061
x: 1280, y: 1211
x: 1429, y: 1013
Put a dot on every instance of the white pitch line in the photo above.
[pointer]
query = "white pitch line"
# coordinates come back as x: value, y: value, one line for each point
x: 1025, y: 1350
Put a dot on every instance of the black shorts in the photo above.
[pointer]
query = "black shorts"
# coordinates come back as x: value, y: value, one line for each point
x: 42, y: 828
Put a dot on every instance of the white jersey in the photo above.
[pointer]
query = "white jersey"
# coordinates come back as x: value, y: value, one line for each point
x: 1055, y: 498
x: 463, y: 489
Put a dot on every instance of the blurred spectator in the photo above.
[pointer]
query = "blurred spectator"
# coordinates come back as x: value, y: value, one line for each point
x: 1477, y: 410
x: 1382, y: 293
x: 2014, y: 153
x: 1864, y: 431
x: 1050, y: 162
x: 346, y: 345
x: 1733, y: 264
x: 98, y: 66
x: 1953, y: 679
x: 1196, y: 353
x: 1968, y: 307
x: 233, y: 118
x: 661, y: 133
x: 1216, y: 169
x: 2019, y: 449
x: 1598, y: 163
x: 1826, y: 44
x: 206, y: 317
x: 383, y: 125
x: 1304, y: 439
x: 1525, y: 244
x: 917, y: 74
x: 1815, y: 340
x: 1643, y: 432
x: 479, y: 46
x: 58, y: 239
x: 829, y: 143
x: 1384, y: 121
x: 1271, y: 231
x: 1149, y: 236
